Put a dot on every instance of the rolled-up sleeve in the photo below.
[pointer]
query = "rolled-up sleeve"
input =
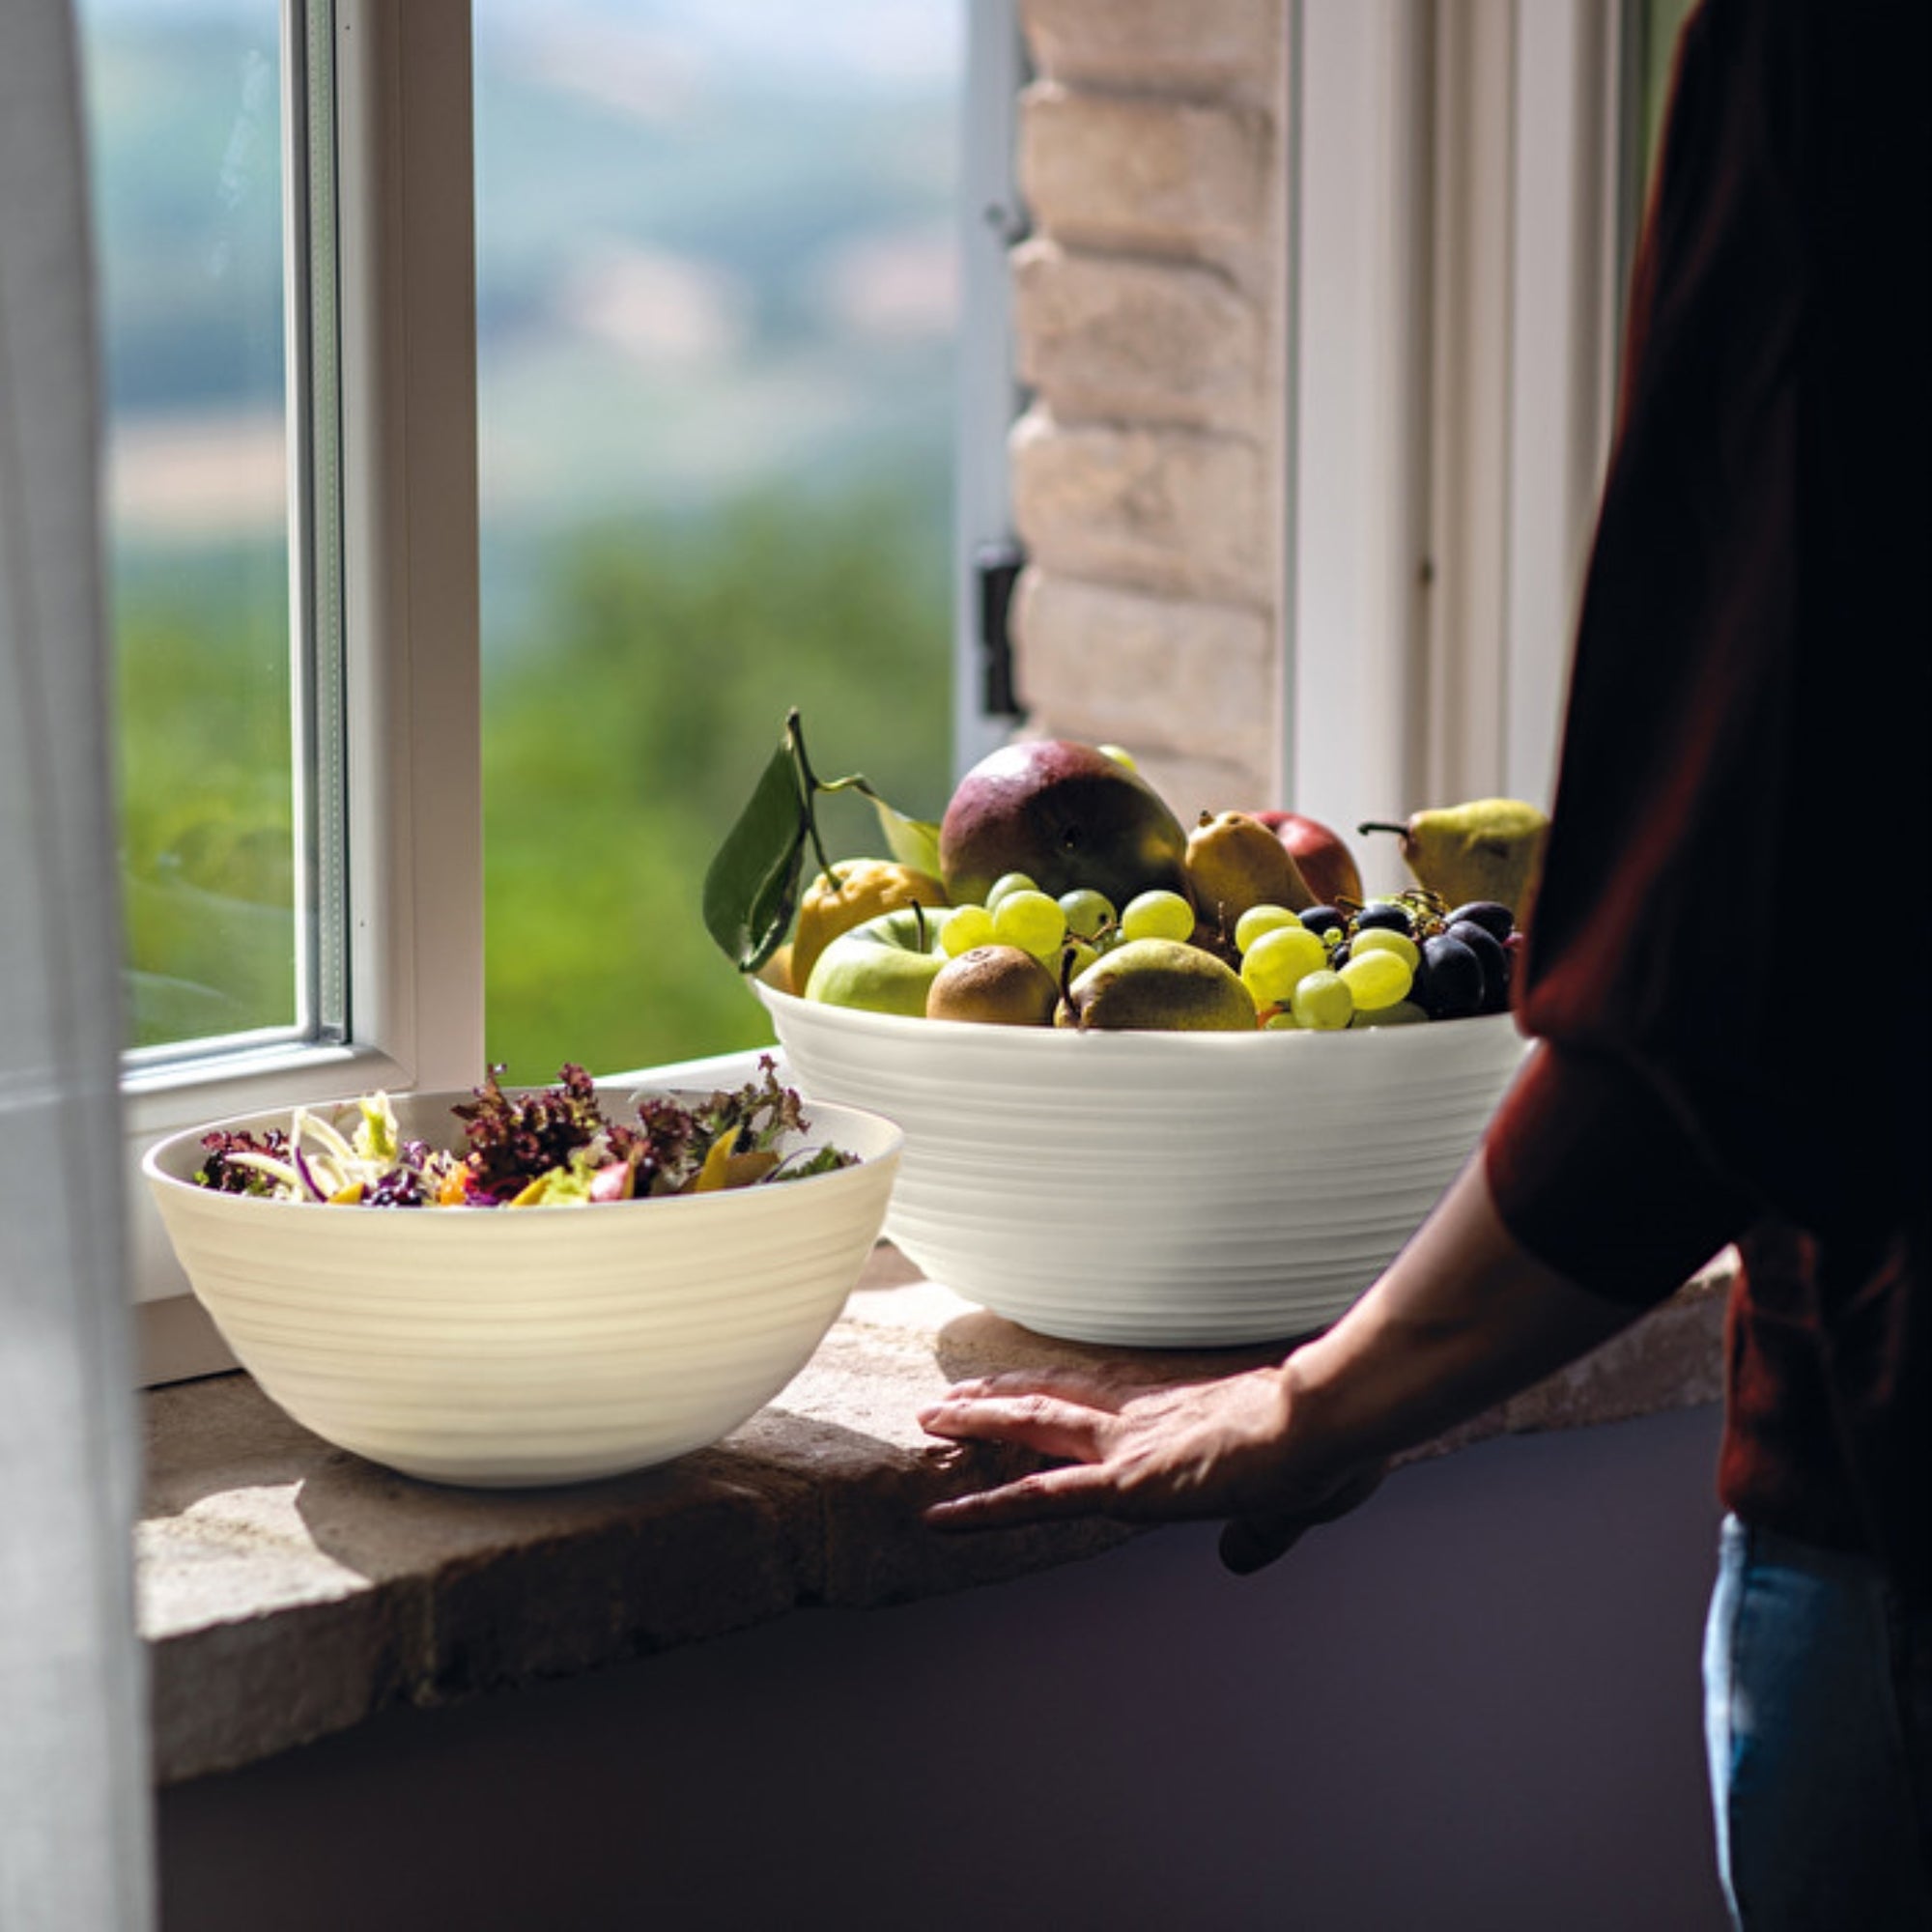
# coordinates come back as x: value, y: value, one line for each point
x: 1596, y: 1175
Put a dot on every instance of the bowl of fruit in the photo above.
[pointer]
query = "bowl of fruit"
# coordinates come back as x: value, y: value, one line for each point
x: 1161, y: 1086
x: 519, y: 1286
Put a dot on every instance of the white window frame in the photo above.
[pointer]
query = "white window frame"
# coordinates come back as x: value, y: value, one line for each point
x: 989, y: 395
x: 1456, y: 260
x: 405, y: 198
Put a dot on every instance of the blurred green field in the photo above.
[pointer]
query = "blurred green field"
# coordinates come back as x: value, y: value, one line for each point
x: 623, y: 729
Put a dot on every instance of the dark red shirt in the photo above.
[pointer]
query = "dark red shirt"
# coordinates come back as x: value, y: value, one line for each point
x: 1730, y: 958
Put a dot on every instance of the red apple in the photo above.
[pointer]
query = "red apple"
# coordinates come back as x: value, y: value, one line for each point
x: 1067, y: 815
x: 1326, y: 861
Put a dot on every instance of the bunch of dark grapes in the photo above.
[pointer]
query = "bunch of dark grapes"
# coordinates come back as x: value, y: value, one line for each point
x: 1465, y: 954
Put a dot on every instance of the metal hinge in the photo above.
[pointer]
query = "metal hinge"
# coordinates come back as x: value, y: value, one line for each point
x: 996, y: 568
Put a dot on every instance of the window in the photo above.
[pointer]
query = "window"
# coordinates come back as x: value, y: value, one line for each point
x: 1469, y: 185
x: 852, y: 324
x: 356, y: 790
x: 198, y: 126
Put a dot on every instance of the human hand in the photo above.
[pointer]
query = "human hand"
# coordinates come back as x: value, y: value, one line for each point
x: 1139, y: 1453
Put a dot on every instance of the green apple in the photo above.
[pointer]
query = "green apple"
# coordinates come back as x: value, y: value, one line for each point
x: 885, y: 965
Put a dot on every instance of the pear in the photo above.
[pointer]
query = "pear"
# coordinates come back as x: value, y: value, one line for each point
x: 1489, y: 848
x: 1157, y: 986
x: 993, y: 985
x: 1235, y: 862
x: 776, y: 972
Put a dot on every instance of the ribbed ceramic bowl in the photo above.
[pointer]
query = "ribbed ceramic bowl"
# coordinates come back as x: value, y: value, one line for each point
x: 519, y: 1346
x: 1158, y: 1189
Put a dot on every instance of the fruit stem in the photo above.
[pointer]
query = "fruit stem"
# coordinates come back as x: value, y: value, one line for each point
x: 1382, y: 825
x: 1067, y: 955
x: 808, y: 784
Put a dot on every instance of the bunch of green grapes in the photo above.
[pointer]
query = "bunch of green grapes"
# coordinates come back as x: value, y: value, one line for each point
x: 1068, y: 934
x: 1390, y: 961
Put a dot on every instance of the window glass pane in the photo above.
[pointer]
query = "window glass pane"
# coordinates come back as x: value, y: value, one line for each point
x: 717, y: 312
x: 185, y: 128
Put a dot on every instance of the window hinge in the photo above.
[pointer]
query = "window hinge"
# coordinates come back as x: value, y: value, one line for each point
x: 996, y: 567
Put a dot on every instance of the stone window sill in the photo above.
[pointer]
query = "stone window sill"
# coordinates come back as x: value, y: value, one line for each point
x: 288, y: 1590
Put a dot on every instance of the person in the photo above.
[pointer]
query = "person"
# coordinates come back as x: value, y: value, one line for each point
x: 1724, y: 978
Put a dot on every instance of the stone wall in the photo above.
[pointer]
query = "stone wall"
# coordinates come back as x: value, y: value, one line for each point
x: 1146, y: 472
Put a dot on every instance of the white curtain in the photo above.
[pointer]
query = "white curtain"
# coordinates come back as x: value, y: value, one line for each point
x: 74, y: 1826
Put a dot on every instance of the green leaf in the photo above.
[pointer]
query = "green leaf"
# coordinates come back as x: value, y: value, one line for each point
x: 913, y: 841
x: 752, y: 888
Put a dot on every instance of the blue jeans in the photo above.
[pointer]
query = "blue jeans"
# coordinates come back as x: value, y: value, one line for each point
x: 1818, y: 1718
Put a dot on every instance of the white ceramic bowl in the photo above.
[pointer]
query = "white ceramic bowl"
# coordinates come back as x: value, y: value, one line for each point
x: 1158, y: 1189
x: 508, y: 1348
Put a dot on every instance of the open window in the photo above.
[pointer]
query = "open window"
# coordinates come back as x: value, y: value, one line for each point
x: 282, y: 201
x: 403, y: 764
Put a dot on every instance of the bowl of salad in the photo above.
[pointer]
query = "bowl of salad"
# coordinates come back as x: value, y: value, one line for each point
x: 517, y: 1287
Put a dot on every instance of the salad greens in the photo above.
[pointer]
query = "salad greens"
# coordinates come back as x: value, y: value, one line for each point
x: 550, y: 1148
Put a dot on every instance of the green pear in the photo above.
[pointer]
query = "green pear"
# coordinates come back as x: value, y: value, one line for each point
x: 1489, y: 848
x: 1235, y: 862
x: 886, y: 965
x: 1158, y: 985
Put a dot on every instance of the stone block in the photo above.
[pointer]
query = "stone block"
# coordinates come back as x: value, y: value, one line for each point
x: 1207, y: 47
x: 239, y: 1689
x: 1179, y: 512
x: 1671, y: 1359
x: 1146, y: 175
x: 1182, y: 682
x: 1126, y: 339
x: 1192, y: 786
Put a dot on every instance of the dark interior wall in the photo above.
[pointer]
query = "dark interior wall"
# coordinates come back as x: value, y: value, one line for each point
x: 1474, y: 1705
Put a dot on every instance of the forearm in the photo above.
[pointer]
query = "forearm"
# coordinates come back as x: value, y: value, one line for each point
x: 1463, y: 1318
x: 1616, y: 1207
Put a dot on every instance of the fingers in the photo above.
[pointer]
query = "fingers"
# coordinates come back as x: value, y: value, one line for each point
x: 1046, y: 1423
x: 1063, y: 1415
x: 1095, y: 1391
x: 1251, y: 1543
